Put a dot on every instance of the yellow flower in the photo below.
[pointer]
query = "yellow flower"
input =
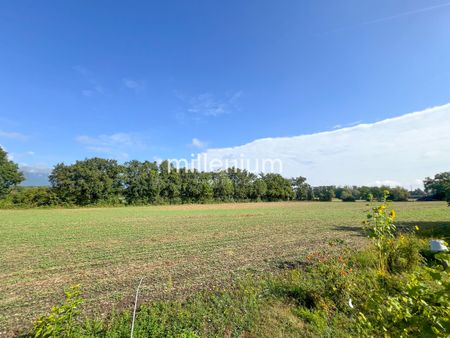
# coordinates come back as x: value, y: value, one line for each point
x: 392, y: 214
x: 417, y: 228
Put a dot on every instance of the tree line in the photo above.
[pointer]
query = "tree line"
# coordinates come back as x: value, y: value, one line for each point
x: 98, y: 181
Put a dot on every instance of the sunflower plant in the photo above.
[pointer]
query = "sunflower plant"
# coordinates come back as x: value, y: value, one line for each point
x: 381, y: 228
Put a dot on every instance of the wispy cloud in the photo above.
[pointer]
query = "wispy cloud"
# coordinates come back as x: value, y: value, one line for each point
x: 210, y: 105
x: 94, y: 86
x: 117, y: 144
x: 135, y: 85
x: 13, y: 135
x: 196, y: 143
x: 351, y: 124
x: 407, y: 13
x: 399, y: 150
x: 389, y: 18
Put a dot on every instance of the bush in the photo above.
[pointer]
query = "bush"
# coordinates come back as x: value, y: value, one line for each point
x: 404, y: 254
x: 33, y: 197
x: 61, y: 321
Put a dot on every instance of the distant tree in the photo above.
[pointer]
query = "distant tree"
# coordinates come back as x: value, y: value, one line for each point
x: 10, y: 176
x: 259, y: 189
x: 196, y: 187
x: 365, y: 193
x: 90, y: 181
x: 439, y: 186
x: 324, y: 193
x: 417, y: 193
x: 142, y: 184
x: 302, y: 190
x: 222, y: 186
x: 347, y: 195
x: 278, y: 187
x: 242, y: 183
x: 398, y: 194
x: 170, y: 182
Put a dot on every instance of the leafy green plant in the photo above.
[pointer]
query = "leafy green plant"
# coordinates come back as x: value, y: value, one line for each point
x: 403, y: 255
x: 59, y: 323
x: 419, y: 306
x: 381, y: 228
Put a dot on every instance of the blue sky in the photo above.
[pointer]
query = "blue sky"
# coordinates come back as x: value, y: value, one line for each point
x: 164, y: 79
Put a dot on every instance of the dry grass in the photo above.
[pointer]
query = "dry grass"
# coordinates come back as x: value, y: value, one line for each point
x: 177, y: 249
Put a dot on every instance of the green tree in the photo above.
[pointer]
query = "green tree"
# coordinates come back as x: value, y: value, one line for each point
x: 142, y: 184
x: 278, y: 187
x: 91, y: 181
x: 301, y: 189
x: 398, y: 194
x: 259, y: 189
x: 222, y: 186
x: 196, y: 187
x: 10, y: 176
x: 439, y: 186
x: 242, y: 183
x: 170, y: 182
x: 324, y: 193
x: 346, y: 195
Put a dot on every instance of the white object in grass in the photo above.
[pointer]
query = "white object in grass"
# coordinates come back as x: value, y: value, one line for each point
x: 437, y: 245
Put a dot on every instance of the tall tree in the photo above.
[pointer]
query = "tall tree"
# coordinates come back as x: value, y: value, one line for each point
x: 91, y: 181
x: 301, y: 188
x: 10, y: 175
x: 222, y: 186
x: 142, y: 184
x: 242, y: 183
x: 439, y: 186
x: 278, y: 187
x: 324, y: 193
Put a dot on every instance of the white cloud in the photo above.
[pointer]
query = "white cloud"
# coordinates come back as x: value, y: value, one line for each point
x: 40, y: 169
x: 116, y: 144
x: 196, y: 143
x: 94, y: 86
x: 134, y: 84
x: 12, y: 135
x: 397, y: 151
x: 209, y: 105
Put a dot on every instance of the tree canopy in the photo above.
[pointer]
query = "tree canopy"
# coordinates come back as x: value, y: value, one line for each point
x: 96, y: 181
x: 10, y: 176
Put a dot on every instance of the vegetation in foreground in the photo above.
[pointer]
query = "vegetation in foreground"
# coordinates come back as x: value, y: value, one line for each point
x: 393, y: 288
x: 179, y: 250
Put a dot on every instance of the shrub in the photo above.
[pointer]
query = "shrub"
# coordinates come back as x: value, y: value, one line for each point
x: 60, y: 322
x: 34, y: 197
x: 418, y: 306
x: 404, y: 254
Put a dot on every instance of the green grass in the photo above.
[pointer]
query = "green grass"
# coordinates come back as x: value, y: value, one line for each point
x: 177, y: 249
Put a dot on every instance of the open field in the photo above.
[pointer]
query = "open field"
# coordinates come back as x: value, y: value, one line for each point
x: 177, y: 249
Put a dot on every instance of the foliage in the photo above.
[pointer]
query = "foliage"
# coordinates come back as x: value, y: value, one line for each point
x: 381, y: 228
x: 33, y: 197
x: 61, y: 321
x: 439, y: 186
x: 418, y: 305
x: 302, y: 190
x: 91, y: 181
x: 404, y: 254
x: 10, y: 176
x: 98, y: 181
x: 278, y: 188
x: 323, y: 193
